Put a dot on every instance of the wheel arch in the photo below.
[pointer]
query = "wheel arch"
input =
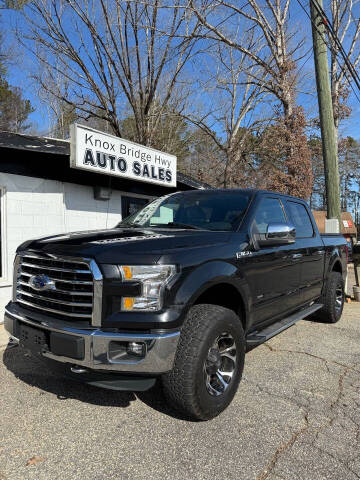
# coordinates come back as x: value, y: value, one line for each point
x: 225, y: 295
x: 334, y: 265
x: 218, y: 283
x: 337, y: 267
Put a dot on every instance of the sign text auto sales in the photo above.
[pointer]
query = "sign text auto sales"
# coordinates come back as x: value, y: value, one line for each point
x: 103, y: 153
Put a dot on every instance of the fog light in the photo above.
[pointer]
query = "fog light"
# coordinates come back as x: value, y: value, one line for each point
x: 135, y: 348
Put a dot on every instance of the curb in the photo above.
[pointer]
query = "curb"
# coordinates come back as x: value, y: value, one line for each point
x: 4, y: 338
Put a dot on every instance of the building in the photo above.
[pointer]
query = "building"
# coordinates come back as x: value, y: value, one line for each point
x: 348, y: 227
x: 40, y: 194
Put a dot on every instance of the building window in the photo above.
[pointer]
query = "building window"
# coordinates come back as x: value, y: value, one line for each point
x: 130, y: 205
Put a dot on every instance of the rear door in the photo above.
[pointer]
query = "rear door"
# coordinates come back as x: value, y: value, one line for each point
x: 272, y: 273
x: 311, y: 249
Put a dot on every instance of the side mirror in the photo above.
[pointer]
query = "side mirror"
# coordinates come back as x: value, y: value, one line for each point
x: 277, y: 234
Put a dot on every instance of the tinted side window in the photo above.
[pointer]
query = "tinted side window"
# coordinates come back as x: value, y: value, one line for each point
x: 269, y: 211
x: 300, y: 219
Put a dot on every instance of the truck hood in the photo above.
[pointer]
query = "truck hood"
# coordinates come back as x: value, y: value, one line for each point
x: 132, y: 245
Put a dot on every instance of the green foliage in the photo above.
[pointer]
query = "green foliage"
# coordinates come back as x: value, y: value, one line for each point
x: 65, y: 117
x: 171, y: 134
x: 3, y: 56
x: 13, y: 4
x: 96, y: 121
x: 205, y: 160
x: 14, y: 109
x: 349, y: 169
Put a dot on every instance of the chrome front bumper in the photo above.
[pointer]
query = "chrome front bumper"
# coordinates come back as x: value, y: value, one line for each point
x: 159, y: 357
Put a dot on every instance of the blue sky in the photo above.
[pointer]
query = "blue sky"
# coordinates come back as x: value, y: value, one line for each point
x: 18, y: 75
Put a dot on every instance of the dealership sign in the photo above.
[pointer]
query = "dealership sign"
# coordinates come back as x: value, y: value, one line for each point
x: 102, y: 153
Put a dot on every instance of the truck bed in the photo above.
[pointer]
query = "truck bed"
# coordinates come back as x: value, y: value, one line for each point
x: 332, y: 239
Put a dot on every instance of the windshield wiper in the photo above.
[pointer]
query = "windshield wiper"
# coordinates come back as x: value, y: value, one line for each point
x: 180, y: 225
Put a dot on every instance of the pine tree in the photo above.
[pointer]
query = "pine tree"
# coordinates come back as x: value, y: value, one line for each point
x: 14, y: 109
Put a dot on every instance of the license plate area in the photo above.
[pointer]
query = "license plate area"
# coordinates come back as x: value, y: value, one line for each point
x: 33, y: 339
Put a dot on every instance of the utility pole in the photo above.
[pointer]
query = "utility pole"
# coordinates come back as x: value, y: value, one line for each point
x: 329, y: 148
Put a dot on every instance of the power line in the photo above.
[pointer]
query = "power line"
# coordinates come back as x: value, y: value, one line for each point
x: 341, y: 66
x: 330, y: 28
x: 348, y: 63
x: 339, y: 45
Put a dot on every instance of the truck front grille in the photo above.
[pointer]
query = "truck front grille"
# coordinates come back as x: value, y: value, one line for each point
x: 74, y: 294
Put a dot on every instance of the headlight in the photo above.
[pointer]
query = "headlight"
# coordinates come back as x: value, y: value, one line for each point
x: 153, y: 279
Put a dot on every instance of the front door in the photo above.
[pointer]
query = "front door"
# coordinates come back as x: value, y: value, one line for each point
x: 272, y: 273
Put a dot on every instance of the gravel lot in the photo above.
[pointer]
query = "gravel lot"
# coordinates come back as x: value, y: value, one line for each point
x: 296, y: 416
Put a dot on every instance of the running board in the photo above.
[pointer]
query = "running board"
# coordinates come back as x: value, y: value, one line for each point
x: 261, y: 336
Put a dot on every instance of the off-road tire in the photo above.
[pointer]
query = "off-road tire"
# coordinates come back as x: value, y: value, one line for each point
x: 185, y: 386
x: 329, y: 313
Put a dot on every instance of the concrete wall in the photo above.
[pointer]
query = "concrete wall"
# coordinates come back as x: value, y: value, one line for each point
x: 34, y: 207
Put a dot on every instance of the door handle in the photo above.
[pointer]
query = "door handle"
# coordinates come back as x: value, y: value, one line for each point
x: 320, y: 252
x: 297, y: 255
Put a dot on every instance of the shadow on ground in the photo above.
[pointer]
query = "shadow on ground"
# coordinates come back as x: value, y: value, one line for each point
x: 45, y: 376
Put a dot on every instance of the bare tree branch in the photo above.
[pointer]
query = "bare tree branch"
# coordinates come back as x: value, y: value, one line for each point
x: 113, y: 56
x: 347, y: 29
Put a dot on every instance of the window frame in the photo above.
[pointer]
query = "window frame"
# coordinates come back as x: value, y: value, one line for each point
x: 308, y: 214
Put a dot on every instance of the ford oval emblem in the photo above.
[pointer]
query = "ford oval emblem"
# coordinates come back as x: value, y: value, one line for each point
x: 41, y: 283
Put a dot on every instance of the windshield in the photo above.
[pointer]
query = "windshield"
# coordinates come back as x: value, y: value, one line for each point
x: 222, y: 211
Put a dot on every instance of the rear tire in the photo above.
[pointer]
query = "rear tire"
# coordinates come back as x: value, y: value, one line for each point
x: 333, y: 300
x: 208, y: 364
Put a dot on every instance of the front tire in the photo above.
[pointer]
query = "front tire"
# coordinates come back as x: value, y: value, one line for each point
x: 333, y: 300
x: 208, y: 364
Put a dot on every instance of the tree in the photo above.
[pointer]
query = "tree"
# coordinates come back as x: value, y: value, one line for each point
x: 66, y: 115
x: 355, y: 200
x: 349, y: 169
x: 318, y: 194
x: 347, y: 30
x: 284, y: 156
x: 205, y: 160
x: 172, y: 134
x: 14, y: 110
x: 277, y: 74
x: 12, y: 4
x: 280, y: 51
x: 231, y: 117
x: 3, y: 56
x: 61, y: 114
x: 118, y: 56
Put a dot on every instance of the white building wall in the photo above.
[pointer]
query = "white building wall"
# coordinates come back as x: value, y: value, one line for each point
x: 34, y: 207
x: 83, y: 212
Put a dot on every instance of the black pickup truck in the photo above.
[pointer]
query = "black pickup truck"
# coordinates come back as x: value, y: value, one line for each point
x: 178, y: 291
